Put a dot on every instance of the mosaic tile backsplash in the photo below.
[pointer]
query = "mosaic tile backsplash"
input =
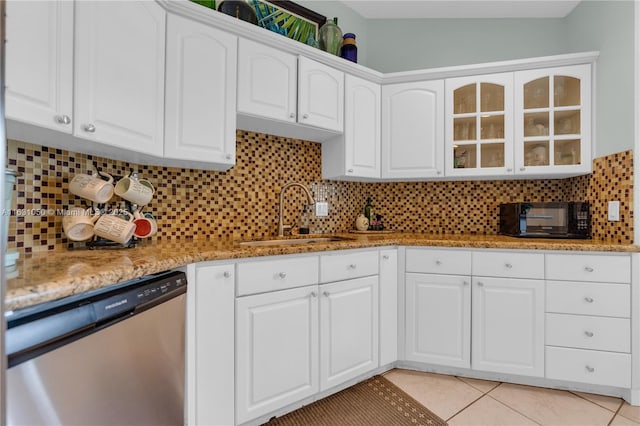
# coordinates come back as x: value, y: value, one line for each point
x: 242, y: 203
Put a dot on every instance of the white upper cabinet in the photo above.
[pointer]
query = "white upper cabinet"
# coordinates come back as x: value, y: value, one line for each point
x: 413, y: 130
x: 553, y: 121
x: 356, y: 154
x: 267, y: 81
x: 39, y: 63
x: 320, y: 95
x: 479, y: 125
x: 200, y: 104
x: 119, y: 74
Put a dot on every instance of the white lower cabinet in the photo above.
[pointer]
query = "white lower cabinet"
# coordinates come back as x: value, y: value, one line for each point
x: 508, y: 326
x: 438, y: 325
x: 276, y: 350
x: 348, y: 330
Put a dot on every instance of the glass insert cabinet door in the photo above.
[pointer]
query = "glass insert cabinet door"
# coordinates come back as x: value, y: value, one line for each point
x: 479, y: 125
x: 553, y: 110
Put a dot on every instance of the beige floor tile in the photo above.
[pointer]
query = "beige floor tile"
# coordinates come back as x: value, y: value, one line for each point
x: 609, y: 402
x: 487, y: 411
x: 444, y: 395
x: 550, y: 406
x: 483, y: 386
x: 623, y: 421
x: 630, y: 412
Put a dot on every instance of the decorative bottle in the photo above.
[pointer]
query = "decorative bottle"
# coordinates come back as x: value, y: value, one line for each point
x: 304, y: 221
x: 330, y: 37
x: 368, y: 211
x: 349, y: 49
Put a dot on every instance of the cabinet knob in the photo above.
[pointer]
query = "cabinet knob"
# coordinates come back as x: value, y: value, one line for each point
x: 509, y: 169
x: 305, y: 116
x: 313, y: 294
x: 350, y: 171
x: 326, y: 294
x: 465, y: 282
x: 226, y: 274
x: 438, y: 172
x: 588, y: 268
x: 352, y: 266
x: 282, y: 275
x: 480, y: 284
x: 63, y: 119
x: 522, y: 169
x: 292, y: 115
x: 588, y: 333
x: 228, y: 156
x: 90, y: 128
x: 508, y: 265
x: 385, y: 256
x: 588, y: 299
x: 589, y: 368
x: 438, y: 262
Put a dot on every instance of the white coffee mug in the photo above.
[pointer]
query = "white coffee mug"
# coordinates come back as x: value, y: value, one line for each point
x: 93, y: 187
x: 115, y: 228
x: 135, y: 191
x: 78, y: 223
x: 146, y: 225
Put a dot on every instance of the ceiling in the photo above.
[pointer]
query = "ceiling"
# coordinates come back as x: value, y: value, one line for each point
x: 408, y: 9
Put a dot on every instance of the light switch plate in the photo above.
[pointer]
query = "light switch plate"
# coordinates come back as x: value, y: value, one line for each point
x: 322, y: 209
x: 614, y: 211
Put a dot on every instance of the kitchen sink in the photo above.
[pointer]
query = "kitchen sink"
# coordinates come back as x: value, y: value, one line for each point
x: 293, y: 241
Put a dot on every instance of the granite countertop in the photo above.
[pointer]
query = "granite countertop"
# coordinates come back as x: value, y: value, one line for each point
x: 51, y: 275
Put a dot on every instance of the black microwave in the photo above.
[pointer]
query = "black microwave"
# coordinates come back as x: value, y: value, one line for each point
x: 546, y: 220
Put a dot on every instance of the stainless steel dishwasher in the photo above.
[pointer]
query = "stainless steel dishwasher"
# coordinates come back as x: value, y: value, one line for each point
x: 108, y: 357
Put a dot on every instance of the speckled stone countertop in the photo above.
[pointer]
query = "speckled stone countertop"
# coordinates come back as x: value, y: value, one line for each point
x: 53, y: 275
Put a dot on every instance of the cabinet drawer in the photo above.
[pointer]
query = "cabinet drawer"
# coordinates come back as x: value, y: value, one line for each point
x: 269, y: 275
x: 506, y: 264
x: 339, y: 266
x: 584, y: 267
x: 585, y: 332
x: 579, y: 365
x: 611, y: 300
x: 438, y: 261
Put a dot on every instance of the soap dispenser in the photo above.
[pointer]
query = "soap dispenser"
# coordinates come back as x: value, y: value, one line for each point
x: 304, y: 221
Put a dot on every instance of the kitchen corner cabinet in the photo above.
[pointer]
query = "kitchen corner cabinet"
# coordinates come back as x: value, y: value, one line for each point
x: 119, y: 74
x: 200, y: 103
x: 356, y: 153
x: 413, y: 130
x: 39, y: 63
x: 479, y: 125
x: 553, y: 121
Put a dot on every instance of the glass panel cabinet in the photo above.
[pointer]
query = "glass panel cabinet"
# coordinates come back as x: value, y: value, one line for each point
x: 553, y: 120
x: 479, y: 125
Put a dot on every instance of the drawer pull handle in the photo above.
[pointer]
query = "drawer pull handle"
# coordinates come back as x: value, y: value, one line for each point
x: 282, y: 275
x: 588, y: 333
x: 313, y: 294
x: 508, y: 265
x: 226, y: 274
x: 438, y: 262
x: 385, y: 257
x: 588, y: 299
x: 352, y: 266
x: 588, y: 268
x: 326, y: 294
x: 480, y: 284
x: 589, y: 369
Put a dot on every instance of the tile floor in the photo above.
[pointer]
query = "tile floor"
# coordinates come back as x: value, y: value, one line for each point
x: 463, y: 401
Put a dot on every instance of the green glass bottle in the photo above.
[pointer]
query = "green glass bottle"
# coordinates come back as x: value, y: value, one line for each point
x: 368, y: 211
x: 330, y: 37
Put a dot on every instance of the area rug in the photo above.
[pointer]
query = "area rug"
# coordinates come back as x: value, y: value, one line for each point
x: 376, y: 401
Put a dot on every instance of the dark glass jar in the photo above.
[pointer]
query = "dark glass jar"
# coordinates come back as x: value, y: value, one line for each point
x: 349, y: 49
x: 239, y: 9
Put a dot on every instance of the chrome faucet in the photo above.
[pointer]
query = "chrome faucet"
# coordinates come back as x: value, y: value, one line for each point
x: 281, y: 226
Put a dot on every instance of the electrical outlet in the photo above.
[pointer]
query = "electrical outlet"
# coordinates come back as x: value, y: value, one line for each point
x: 614, y: 211
x: 322, y: 209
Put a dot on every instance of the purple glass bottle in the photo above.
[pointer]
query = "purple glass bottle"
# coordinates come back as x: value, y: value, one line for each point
x: 349, y: 49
